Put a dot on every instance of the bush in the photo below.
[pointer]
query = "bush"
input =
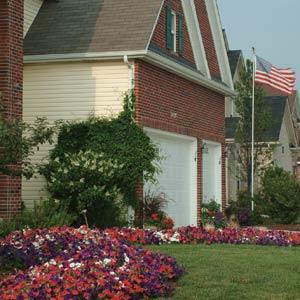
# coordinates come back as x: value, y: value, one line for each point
x: 281, y: 195
x: 96, y: 165
x: 46, y: 214
x: 211, y: 214
x: 241, y: 208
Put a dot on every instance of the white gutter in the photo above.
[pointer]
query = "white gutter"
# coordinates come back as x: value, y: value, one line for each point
x: 71, y: 57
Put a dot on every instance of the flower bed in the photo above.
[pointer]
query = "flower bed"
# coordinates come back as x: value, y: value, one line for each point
x: 68, y: 263
x: 193, y: 235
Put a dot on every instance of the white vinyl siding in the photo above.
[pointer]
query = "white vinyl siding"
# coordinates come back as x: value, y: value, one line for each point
x: 70, y: 91
x: 284, y: 158
x: 31, y: 9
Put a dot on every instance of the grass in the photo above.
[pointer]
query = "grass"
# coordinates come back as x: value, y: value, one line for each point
x: 236, y: 271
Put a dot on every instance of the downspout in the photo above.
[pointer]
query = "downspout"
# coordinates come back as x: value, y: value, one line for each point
x: 130, y: 210
x: 131, y: 71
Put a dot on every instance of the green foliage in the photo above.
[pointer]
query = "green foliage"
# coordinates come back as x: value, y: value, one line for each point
x: 46, y: 214
x: 19, y: 140
x: 281, y: 195
x: 241, y: 208
x: 243, y: 135
x: 97, y: 163
x: 211, y: 214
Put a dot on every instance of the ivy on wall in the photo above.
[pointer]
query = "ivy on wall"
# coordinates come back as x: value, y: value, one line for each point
x: 97, y: 163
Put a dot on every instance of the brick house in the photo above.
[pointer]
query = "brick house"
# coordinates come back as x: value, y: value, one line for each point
x: 81, y: 56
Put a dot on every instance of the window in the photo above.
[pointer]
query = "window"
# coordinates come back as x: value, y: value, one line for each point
x: 282, y: 149
x: 174, y: 31
x: 171, y: 29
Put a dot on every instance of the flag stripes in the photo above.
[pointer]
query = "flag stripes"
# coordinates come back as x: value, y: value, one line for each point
x: 282, y: 79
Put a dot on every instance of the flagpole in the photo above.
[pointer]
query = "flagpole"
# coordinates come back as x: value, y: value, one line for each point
x: 252, y: 133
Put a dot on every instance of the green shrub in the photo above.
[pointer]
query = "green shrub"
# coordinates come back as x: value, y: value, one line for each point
x: 96, y: 165
x: 281, y: 195
x: 241, y: 208
x: 43, y: 215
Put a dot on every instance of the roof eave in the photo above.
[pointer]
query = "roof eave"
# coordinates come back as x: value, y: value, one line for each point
x: 187, y: 73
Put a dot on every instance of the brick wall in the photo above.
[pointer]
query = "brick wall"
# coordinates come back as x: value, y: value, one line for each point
x: 207, y: 37
x: 159, y: 35
x: 199, y: 111
x: 11, y: 80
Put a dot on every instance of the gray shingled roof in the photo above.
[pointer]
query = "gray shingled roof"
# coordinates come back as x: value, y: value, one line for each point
x: 230, y: 127
x: 276, y: 106
x: 233, y: 57
x: 80, y: 26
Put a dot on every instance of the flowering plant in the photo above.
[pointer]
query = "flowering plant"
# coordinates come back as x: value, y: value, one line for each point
x: 196, y: 235
x: 68, y: 263
x: 211, y: 214
x: 167, y: 223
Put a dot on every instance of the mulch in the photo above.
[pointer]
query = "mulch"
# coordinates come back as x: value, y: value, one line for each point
x: 290, y: 227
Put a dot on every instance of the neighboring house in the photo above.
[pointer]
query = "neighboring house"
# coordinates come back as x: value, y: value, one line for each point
x: 81, y: 56
x: 282, y: 134
x: 237, y: 64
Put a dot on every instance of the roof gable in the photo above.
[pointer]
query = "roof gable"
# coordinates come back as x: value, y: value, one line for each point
x: 276, y: 105
x: 81, y: 26
x: 233, y: 58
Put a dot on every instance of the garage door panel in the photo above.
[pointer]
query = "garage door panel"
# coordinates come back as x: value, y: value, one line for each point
x: 177, y: 179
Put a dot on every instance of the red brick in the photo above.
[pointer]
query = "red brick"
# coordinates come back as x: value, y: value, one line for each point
x: 159, y: 35
x: 200, y: 111
x: 11, y: 83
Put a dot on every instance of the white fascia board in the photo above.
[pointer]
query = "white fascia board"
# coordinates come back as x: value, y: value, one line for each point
x: 187, y: 73
x: 195, y: 36
x: 216, y: 28
x: 47, y: 58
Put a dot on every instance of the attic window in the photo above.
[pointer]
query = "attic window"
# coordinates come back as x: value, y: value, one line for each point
x: 171, y: 29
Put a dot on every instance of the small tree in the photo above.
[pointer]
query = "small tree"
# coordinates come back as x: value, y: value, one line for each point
x: 243, y: 134
x: 281, y: 195
x: 18, y: 142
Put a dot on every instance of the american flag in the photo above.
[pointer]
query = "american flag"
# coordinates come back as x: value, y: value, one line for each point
x: 278, y: 78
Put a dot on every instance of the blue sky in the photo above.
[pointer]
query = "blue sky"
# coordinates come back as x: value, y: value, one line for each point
x: 271, y: 26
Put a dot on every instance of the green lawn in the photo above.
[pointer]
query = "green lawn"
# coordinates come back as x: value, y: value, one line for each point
x: 236, y: 272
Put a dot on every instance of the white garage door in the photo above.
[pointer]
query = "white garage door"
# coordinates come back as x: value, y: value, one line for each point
x: 212, y: 172
x: 178, y: 176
